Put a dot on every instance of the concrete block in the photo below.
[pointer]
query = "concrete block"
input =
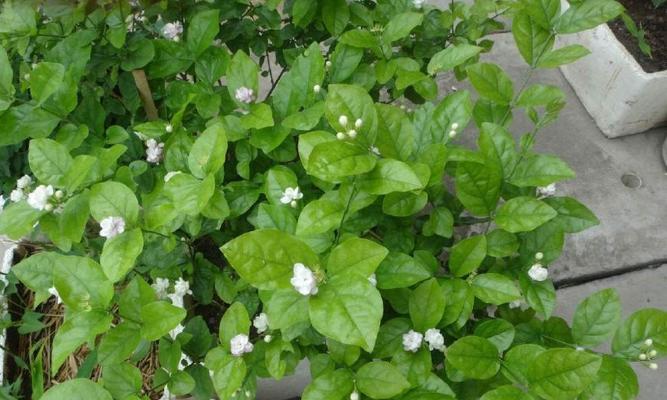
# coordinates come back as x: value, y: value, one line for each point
x: 645, y: 288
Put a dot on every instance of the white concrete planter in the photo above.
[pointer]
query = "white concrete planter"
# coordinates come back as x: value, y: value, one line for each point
x: 621, y: 97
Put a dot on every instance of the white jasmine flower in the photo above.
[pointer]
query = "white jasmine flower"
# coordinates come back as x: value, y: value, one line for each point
x: 515, y: 304
x: 304, y: 280
x: 112, y: 226
x: 342, y: 120
x: 354, y: 395
x: 169, y: 128
x: 352, y: 133
x: 261, y: 323
x: 39, y: 197
x: 340, y: 136
x: 16, y: 195
x: 491, y: 310
x: 240, y: 344
x: 170, y: 175
x: 538, y: 273
x: 418, y: 3
x: 2, y: 202
x: 7, y: 260
x: 172, y: 30
x: 244, y: 95
x: 291, y: 195
x: 317, y: 88
x: 181, y: 287
x: 375, y: 150
x: 358, y: 123
x: 154, y: 151
x: 161, y: 286
x: 23, y: 182
x: 412, y: 341
x: 373, y: 279
x: 648, y: 342
x: 434, y: 339
x: 547, y: 191
x: 176, y: 331
x: 54, y: 292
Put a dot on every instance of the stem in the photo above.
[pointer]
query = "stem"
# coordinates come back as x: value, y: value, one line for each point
x: 347, y: 209
x: 276, y: 82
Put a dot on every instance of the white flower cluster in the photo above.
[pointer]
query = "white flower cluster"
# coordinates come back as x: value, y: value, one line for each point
x: 261, y: 323
x: 291, y: 195
x: 546, y: 191
x: 304, y: 280
x: 154, y: 151
x: 418, y: 3
x: 412, y: 340
x: 38, y: 199
x: 173, y: 30
x: 240, y: 344
x: 111, y: 227
x: 453, y: 130
x: 181, y: 288
x: 537, y: 272
x: 244, y: 95
x: 349, y: 131
x: 649, y: 353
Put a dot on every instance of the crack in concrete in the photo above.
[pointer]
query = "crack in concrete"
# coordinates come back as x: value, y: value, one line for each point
x: 584, y: 279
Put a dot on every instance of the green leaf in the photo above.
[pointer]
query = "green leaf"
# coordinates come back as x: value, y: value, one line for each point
x: 497, y: 331
x: 544, y: 12
x: 427, y: 305
x: 415, y: 366
x: 540, y: 296
x: 451, y: 57
x: 120, y: 253
x: 348, y: 310
x: 202, y: 29
x: 36, y: 271
x: 650, y: 323
x: 532, y: 40
x: 540, y: 170
x: 160, y: 317
x: 380, y: 380
x: 278, y: 179
x: 208, y: 152
x: 45, y: 79
x: 390, y: 337
x: 113, y: 199
x: 7, y: 89
x: 18, y: 219
x: 189, y: 194
x: 354, y: 103
x: 170, y: 58
x: 491, y: 82
x: 539, y: 95
x: 306, y: 119
x: 391, y: 176
x: 296, y: 88
x: 266, y: 258
x: 399, y: 270
x: 498, y: 147
x: 361, y: 38
x: 25, y: 121
x: 500, y: 243
x: 118, y: 344
x: 587, y: 15
x: 331, y: 161
x: 475, y: 357
x: 616, y: 380
x: 495, y: 288
x: 356, y: 256
x: 335, y: 15
x: 507, y: 392
x: 81, y: 283
x: 49, y: 160
x: 308, y: 141
x: 560, y: 374
x: 564, y: 55
x: 332, y: 385
x: 572, y: 216
x: 404, y: 204
x: 242, y: 72
x: 259, y: 117
x: 478, y: 187
x: 400, y: 26
x: 460, y: 300
x: 77, y: 389
x: 396, y: 133
x: 140, y: 52
x: 467, y: 255
x: 122, y: 380
x: 229, y: 372
x: 287, y: 310
x: 523, y: 214
x: 440, y: 222
x: 596, y: 318
x: 235, y: 321
x: 76, y: 330
x: 518, y: 361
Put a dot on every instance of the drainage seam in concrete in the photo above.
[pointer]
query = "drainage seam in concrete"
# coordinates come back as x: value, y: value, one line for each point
x: 584, y: 279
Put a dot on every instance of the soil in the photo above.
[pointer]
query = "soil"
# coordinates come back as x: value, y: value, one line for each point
x: 654, y: 22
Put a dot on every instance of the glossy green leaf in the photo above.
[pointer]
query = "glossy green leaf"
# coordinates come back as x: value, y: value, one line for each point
x: 522, y: 214
x: 474, y: 356
x: 380, y: 380
x: 467, y: 255
x: 562, y: 373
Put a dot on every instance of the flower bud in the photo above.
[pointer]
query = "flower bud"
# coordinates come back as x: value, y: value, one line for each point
x: 352, y: 133
x: 653, y: 366
x: 268, y: 338
x: 169, y: 128
x: 642, y: 357
x: 539, y: 256
x: 340, y: 135
x: 455, y: 125
x: 354, y: 395
x: 59, y: 194
x: 652, y: 353
x: 26, y: 77
x: 342, y: 120
x: 327, y: 64
x: 358, y: 123
x: 317, y: 88
x: 452, y: 134
x: 48, y: 207
x: 293, y: 203
x: 648, y: 342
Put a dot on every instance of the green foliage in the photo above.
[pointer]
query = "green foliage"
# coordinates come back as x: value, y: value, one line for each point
x: 260, y: 197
